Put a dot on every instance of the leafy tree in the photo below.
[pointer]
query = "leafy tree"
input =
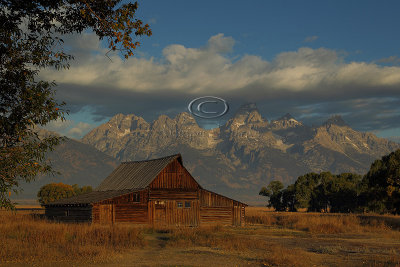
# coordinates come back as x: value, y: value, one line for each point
x: 30, y: 40
x: 289, y: 198
x: 274, y: 192
x: 344, y: 191
x: 319, y: 200
x: 304, y: 187
x: 55, y: 191
x: 81, y: 190
x: 328, y: 192
x: 52, y: 192
x: 383, y: 184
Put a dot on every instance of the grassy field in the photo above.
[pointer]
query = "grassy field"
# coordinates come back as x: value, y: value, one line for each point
x: 268, y: 239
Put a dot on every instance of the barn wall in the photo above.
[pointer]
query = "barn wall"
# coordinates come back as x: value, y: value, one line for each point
x: 210, y: 199
x: 215, y: 208
x: 96, y: 213
x: 69, y: 213
x: 173, y: 194
x: 167, y: 212
x: 133, y: 213
x: 238, y: 214
x: 215, y: 215
x: 122, y: 209
x: 127, y: 198
x: 174, y: 176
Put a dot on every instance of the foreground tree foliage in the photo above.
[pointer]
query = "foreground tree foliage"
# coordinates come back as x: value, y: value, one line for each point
x: 378, y: 191
x: 55, y: 191
x: 30, y: 40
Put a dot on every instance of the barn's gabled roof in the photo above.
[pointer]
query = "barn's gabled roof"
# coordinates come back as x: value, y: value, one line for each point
x: 91, y: 197
x: 126, y: 178
x: 136, y: 174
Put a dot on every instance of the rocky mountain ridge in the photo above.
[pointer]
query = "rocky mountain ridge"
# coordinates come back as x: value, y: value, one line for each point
x: 246, y: 152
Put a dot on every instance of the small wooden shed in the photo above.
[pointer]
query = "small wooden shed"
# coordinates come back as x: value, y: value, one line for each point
x: 158, y: 191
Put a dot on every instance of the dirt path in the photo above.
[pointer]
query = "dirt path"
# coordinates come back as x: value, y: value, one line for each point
x: 333, y: 250
x: 158, y: 254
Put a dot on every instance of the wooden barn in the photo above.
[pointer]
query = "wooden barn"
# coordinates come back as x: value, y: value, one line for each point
x: 159, y: 191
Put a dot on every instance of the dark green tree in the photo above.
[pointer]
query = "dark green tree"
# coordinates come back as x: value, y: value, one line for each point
x: 319, y: 200
x: 30, y: 40
x: 304, y: 187
x: 343, y: 192
x: 274, y: 192
x: 289, y: 198
x: 382, y: 185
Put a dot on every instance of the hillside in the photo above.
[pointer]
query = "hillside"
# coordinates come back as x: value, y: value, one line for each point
x: 78, y: 163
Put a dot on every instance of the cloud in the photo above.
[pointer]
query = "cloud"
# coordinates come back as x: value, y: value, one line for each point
x: 310, y: 39
x: 390, y: 60
x: 58, y: 125
x: 290, y: 81
x: 220, y: 44
x: 201, y: 70
x: 69, y: 128
x: 79, y: 130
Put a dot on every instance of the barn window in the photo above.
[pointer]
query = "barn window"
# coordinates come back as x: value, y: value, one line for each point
x: 135, y: 197
x: 180, y: 204
x: 187, y: 204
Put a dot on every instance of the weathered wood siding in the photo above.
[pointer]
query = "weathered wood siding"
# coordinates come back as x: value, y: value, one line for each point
x: 106, y: 213
x: 173, y: 194
x: 210, y: 199
x: 127, y: 198
x: 123, y: 208
x: 134, y: 213
x: 96, y: 213
x: 238, y: 215
x: 167, y: 212
x: 215, y: 208
x: 215, y: 215
x: 77, y: 213
x: 174, y: 176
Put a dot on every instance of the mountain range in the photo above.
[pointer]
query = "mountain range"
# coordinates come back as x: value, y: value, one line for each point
x: 245, y: 153
x: 235, y: 159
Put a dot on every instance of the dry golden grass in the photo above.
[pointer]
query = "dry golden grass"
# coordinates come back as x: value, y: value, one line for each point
x: 28, y: 207
x: 268, y: 239
x: 227, y: 239
x: 26, y: 238
x: 319, y: 223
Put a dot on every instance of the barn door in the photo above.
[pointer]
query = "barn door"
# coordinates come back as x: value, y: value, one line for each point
x: 159, y: 212
x: 106, y: 214
x: 237, y: 215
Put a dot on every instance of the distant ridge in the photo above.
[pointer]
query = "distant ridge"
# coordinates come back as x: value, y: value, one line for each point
x: 246, y: 152
x: 236, y: 159
x: 336, y: 120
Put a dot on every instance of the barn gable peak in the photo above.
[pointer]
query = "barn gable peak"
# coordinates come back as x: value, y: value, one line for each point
x: 136, y: 175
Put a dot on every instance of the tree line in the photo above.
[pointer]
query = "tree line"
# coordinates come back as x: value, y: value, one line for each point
x: 377, y: 191
x: 55, y: 191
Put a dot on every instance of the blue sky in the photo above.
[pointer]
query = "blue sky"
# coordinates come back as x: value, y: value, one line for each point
x: 364, y: 30
x: 313, y: 59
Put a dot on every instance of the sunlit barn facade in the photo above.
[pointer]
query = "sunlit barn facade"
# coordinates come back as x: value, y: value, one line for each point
x: 159, y: 191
